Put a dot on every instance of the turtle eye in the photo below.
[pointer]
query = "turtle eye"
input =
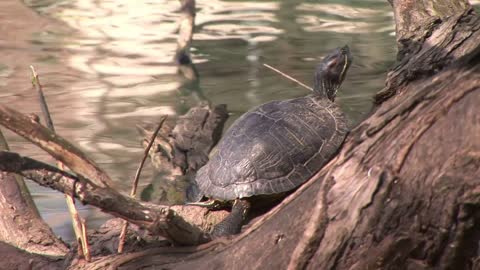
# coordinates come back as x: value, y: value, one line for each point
x: 332, y: 63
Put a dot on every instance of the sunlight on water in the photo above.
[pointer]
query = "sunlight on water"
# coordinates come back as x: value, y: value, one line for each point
x: 106, y: 66
x: 344, y: 19
x: 231, y: 20
x: 344, y: 11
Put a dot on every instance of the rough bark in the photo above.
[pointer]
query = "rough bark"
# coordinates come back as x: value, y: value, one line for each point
x: 20, y: 222
x: 430, y: 36
x: 15, y: 258
x: 416, y: 20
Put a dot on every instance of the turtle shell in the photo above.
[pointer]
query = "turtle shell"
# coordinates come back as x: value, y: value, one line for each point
x: 273, y: 148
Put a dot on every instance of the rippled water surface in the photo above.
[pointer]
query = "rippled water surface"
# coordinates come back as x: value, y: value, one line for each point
x: 106, y: 66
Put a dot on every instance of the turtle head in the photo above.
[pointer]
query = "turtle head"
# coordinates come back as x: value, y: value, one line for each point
x: 329, y: 74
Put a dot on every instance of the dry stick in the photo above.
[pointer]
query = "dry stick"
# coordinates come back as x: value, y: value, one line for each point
x: 288, y: 77
x: 77, y: 222
x: 133, y: 192
x: 58, y: 147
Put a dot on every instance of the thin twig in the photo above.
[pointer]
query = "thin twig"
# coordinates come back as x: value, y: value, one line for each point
x: 288, y: 77
x: 145, y: 155
x: 43, y: 102
x: 77, y: 222
x: 133, y: 192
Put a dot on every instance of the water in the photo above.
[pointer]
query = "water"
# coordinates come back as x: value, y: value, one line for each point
x: 105, y: 66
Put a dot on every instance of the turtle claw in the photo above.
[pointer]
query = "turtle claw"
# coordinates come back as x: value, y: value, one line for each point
x: 211, y: 204
x: 232, y: 224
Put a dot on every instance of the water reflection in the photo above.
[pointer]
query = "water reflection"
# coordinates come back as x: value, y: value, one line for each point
x: 339, y: 18
x: 106, y: 65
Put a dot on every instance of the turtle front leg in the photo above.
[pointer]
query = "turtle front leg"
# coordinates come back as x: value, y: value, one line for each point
x: 232, y: 224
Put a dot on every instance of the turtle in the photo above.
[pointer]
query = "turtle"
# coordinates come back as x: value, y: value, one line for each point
x: 276, y: 147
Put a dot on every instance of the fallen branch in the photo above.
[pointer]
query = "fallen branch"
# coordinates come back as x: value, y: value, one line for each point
x: 177, y: 223
x: 181, y: 224
x: 55, y: 145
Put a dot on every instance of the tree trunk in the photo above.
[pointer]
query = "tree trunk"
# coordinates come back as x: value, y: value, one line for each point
x: 404, y: 191
x: 20, y: 222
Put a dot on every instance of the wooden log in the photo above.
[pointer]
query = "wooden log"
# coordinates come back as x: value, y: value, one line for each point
x: 178, y: 223
x: 431, y: 35
x: 15, y: 258
x: 20, y: 223
x: 55, y: 145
